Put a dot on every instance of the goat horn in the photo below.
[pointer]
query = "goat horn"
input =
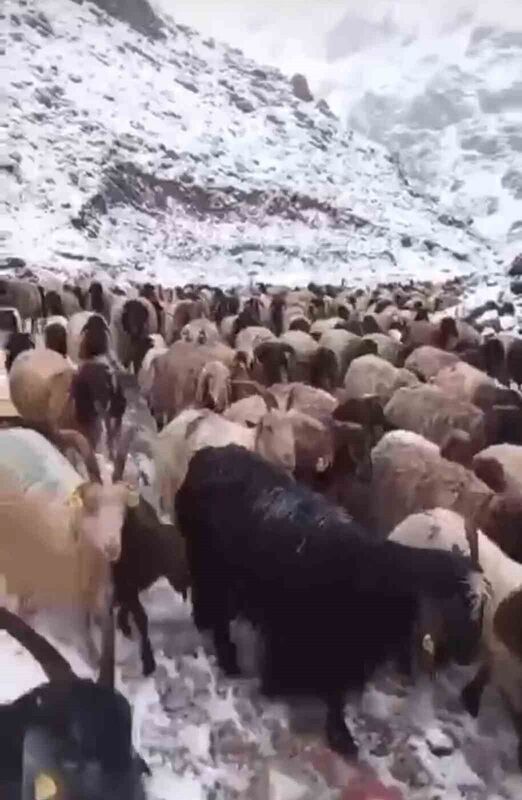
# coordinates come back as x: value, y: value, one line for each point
x: 51, y: 661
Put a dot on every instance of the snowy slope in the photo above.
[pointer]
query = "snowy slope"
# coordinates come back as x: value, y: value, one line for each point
x: 137, y: 144
x: 449, y: 99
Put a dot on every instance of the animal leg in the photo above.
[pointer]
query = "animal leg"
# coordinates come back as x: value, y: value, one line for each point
x: 142, y: 623
x: 472, y: 693
x: 337, y: 732
x: 123, y: 621
x: 93, y: 656
x: 225, y: 648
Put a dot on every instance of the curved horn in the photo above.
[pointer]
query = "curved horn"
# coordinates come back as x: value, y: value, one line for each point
x: 121, y: 455
x: 75, y: 440
x: 51, y: 661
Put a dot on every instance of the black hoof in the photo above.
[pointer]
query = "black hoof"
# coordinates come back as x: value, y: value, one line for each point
x: 470, y: 700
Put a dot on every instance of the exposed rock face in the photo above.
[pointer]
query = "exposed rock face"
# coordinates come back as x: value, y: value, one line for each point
x: 136, y: 144
x: 301, y: 88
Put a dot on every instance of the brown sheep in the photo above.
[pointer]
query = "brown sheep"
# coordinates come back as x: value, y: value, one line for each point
x: 373, y: 375
x: 387, y: 347
x: 429, y: 411
x: 175, y: 376
x: 305, y: 348
x: 426, y: 361
x: 213, y: 388
x: 40, y: 385
x: 274, y: 362
x: 307, y: 399
x: 23, y: 296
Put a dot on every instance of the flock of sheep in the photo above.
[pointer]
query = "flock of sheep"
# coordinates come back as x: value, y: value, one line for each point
x: 341, y: 468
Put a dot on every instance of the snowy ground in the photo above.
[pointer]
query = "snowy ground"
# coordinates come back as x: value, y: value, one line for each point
x: 209, y: 738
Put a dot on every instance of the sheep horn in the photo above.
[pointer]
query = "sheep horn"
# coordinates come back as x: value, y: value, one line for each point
x: 51, y: 661
x: 74, y: 439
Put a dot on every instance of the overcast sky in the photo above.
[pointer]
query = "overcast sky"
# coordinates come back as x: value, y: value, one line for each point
x: 281, y: 29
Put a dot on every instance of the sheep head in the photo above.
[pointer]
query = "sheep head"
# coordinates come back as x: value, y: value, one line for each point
x: 213, y: 388
x: 275, y: 440
x: 101, y: 514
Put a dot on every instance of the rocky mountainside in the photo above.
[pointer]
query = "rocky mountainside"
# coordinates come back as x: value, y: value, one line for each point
x: 135, y: 143
x: 450, y: 101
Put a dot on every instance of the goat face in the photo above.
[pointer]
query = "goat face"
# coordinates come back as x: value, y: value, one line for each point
x: 102, y: 515
x: 80, y: 742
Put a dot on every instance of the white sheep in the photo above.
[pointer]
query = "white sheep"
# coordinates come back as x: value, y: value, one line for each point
x: 193, y: 429
x: 442, y: 528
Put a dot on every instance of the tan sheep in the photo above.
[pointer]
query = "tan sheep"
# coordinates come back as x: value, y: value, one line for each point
x: 429, y: 411
x: 387, y: 347
x: 200, y: 331
x: 427, y: 361
x: 301, y: 397
x: 373, y: 375
x: 40, y: 383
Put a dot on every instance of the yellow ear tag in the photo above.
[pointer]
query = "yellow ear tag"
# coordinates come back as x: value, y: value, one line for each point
x: 428, y: 645
x: 75, y: 499
x: 133, y: 498
x: 44, y: 787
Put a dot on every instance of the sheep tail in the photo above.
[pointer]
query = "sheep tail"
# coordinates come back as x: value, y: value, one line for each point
x: 51, y: 661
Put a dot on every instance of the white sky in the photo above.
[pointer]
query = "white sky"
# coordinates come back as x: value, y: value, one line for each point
x: 280, y: 31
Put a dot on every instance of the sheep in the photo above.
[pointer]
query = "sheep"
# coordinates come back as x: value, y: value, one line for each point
x: 429, y: 411
x: 97, y: 395
x: 387, y: 347
x: 16, y: 344
x: 175, y: 375
x: 55, y: 338
x: 247, y: 411
x: 273, y: 438
x: 23, y: 296
x: 346, y: 346
x: 274, y: 362
x: 248, y: 338
x: 410, y: 474
x: 95, y: 339
x: 99, y: 300
x: 373, y: 375
x: 154, y: 346
x: 40, y: 383
x: 132, y: 321
x: 68, y: 720
x: 321, y: 325
x: 213, y: 388
x: 149, y: 551
x: 502, y: 655
x: 426, y: 361
x: 305, y: 349
x: 282, y: 556
x: 200, y: 331
x: 308, y: 399
x: 59, y: 533
x: 75, y: 327
x: 464, y: 382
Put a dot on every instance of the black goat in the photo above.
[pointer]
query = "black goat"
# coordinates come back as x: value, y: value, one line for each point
x: 149, y: 550
x: 98, y: 396
x: 16, y: 344
x: 330, y: 605
x: 73, y: 731
x: 95, y: 338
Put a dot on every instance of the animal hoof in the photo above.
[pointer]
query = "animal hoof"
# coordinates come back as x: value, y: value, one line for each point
x: 470, y: 700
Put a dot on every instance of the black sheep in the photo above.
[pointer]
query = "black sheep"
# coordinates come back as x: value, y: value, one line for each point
x: 330, y: 605
x: 55, y: 336
x: 98, y: 396
x: 149, y: 551
x: 74, y: 731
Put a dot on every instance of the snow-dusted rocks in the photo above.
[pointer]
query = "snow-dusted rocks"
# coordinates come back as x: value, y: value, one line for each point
x: 134, y: 143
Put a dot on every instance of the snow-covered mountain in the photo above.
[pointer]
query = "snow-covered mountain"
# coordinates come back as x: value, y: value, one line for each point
x: 133, y: 142
x: 449, y: 100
